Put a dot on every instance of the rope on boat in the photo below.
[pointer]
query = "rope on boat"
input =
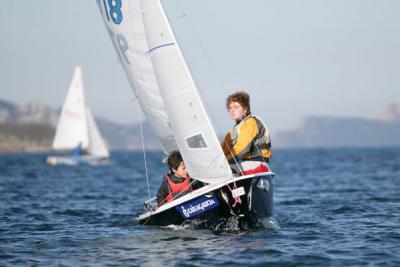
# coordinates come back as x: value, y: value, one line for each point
x: 144, y: 149
x: 141, y: 127
x: 142, y: 140
x: 237, y: 199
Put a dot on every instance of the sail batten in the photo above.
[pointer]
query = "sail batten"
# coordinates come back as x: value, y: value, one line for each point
x: 160, y: 46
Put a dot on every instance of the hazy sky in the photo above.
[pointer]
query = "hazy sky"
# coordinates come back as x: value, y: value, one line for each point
x: 295, y: 58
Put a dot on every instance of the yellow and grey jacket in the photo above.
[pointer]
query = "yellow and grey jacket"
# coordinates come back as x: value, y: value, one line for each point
x: 248, y: 140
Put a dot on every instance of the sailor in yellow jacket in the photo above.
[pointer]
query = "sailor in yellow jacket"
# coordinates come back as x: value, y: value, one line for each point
x: 249, y: 139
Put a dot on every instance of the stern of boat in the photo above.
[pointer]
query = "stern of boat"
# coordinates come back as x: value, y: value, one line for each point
x: 252, y: 195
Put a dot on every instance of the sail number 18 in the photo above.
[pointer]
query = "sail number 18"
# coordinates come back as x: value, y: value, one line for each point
x: 112, y: 8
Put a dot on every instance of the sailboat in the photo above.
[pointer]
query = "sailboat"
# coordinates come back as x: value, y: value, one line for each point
x: 77, y: 127
x: 166, y: 92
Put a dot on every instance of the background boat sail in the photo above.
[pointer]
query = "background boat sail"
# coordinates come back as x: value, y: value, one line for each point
x: 76, y: 126
x: 159, y: 76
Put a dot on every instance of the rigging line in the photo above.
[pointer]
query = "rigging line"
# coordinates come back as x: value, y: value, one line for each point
x: 213, y: 69
x: 143, y: 148
x: 139, y: 117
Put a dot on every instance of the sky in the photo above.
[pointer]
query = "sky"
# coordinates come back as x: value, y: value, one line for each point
x: 294, y: 58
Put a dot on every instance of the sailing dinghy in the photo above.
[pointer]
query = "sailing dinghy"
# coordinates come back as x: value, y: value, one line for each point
x: 160, y: 78
x: 76, y: 126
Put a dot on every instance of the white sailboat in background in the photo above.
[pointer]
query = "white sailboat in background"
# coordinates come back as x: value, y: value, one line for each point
x: 167, y: 94
x: 77, y: 127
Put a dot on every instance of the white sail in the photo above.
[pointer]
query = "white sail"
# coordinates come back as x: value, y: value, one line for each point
x: 97, y: 146
x: 72, y: 129
x: 123, y: 20
x: 158, y: 74
x: 196, y: 138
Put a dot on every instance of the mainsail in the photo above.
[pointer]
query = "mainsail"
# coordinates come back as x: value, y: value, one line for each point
x: 124, y: 24
x: 97, y: 147
x: 72, y: 129
x: 154, y: 63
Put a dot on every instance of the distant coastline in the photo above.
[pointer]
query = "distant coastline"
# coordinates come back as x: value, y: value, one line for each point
x: 25, y: 137
x: 331, y: 132
x: 31, y: 128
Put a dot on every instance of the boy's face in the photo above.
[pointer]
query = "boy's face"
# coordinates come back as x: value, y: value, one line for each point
x: 236, y: 111
x: 181, y: 171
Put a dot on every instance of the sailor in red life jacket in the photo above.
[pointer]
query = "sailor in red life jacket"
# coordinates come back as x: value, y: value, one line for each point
x: 177, y: 182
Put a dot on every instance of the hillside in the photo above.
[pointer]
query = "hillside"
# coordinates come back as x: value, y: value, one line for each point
x: 25, y: 137
x: 31, y: 127
x: 323, y: 131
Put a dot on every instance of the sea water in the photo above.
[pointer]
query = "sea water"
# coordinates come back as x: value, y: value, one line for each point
x: 332, y: 207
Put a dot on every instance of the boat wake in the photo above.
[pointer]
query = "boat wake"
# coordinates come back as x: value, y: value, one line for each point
x: 231, y: 225
x: 270, y: 223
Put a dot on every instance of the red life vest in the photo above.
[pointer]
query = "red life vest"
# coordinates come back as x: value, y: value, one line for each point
x: 174, y: 189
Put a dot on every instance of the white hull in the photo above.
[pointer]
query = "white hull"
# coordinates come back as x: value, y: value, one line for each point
x: 76, y: 160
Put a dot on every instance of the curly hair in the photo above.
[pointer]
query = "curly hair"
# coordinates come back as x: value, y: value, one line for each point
x: 242, y: 98
x: 174, y: 160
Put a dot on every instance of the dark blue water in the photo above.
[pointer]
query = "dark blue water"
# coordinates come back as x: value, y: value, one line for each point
x: 332, y: 208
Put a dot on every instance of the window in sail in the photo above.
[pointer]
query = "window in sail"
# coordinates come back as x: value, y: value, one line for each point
x: 196, y: 141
